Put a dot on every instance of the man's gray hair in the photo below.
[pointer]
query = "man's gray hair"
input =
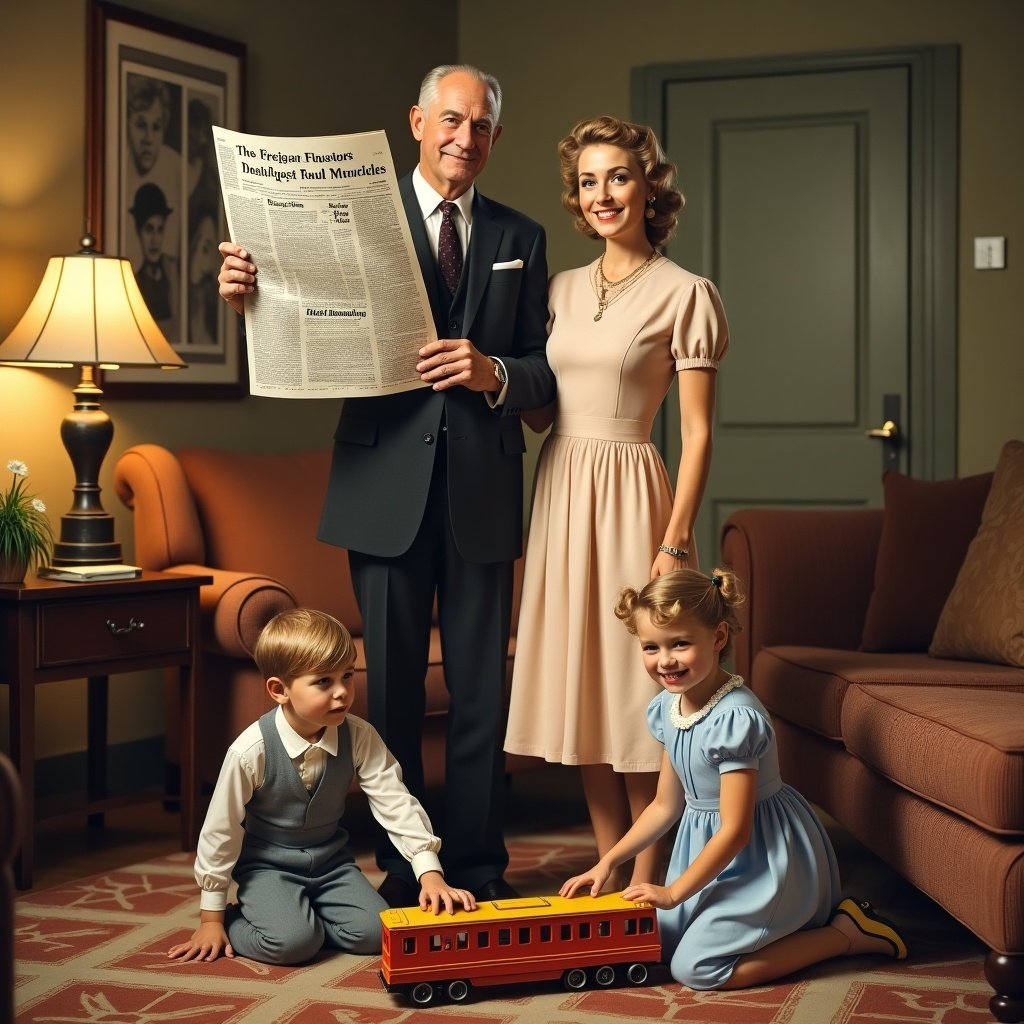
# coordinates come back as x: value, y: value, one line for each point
x: 428, y: 89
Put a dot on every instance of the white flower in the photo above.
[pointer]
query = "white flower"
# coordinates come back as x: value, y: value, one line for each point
x: 17, y: 467
x: 38, y: 505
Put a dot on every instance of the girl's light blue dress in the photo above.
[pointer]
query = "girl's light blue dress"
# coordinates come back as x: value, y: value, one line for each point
x: 785, y: 879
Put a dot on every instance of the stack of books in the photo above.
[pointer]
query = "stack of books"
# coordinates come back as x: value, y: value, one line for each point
x: 88, y: 573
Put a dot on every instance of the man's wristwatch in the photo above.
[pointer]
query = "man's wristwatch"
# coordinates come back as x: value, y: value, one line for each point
x: 499, y: 372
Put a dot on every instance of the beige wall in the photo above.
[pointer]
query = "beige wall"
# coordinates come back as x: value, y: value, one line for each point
x: 300, y: 81
x: 558, y: 62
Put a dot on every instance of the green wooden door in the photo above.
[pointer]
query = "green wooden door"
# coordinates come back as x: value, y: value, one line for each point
x: 801, y: 207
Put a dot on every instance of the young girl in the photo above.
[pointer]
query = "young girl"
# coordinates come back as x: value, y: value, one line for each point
x: 753, y: 877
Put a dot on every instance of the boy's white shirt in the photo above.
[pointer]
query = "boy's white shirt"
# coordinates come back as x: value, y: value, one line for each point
x: 242, y: 773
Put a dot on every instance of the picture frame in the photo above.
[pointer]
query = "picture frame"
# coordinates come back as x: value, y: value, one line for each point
x: 154, y: 90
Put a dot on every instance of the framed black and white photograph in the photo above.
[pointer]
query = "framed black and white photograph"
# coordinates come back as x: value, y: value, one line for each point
x: 156, y: 88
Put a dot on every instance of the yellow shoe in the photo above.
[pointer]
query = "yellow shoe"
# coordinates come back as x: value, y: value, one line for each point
x: 869, y: 922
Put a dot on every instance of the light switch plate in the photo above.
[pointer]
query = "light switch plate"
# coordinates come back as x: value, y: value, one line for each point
x: 990, y: 253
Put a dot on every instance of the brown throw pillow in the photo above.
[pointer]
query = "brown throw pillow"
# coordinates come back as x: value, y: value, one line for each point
x: 983, y: 618
x: 927, y: 526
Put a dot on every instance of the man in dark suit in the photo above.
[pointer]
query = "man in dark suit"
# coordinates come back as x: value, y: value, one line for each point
x: 425, y: 489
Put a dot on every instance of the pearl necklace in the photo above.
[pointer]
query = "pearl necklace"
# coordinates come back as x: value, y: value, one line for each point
x: 608, y: 291
x: 681, y: 721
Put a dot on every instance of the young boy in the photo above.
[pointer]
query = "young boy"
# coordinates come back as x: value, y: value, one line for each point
x: 274, y: 823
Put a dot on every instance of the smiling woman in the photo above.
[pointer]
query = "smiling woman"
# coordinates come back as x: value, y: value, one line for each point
x: 623, y: 329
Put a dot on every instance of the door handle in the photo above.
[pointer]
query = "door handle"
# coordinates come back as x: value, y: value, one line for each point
x: 888, y: 431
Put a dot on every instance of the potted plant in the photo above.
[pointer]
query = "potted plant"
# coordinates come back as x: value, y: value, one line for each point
x: 26, y: 537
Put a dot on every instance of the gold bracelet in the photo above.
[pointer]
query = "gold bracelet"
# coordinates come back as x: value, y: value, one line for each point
x: 674, y: 552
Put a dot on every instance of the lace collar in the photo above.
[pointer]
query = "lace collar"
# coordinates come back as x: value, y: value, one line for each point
x: 681, y: 721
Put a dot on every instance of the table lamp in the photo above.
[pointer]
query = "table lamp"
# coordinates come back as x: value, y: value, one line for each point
x: 88, y: 312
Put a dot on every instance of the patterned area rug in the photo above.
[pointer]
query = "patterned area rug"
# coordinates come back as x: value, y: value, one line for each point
x: 94, y: 952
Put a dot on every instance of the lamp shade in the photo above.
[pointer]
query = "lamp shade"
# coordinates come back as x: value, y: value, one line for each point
x: 88, y: 310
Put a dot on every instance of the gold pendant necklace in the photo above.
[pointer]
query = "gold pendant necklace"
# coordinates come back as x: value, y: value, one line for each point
x: 608, y: 291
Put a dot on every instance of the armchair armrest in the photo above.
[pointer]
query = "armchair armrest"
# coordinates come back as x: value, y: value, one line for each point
x: 236, y: 606
x: 809, y: 574
x: 149, y: 479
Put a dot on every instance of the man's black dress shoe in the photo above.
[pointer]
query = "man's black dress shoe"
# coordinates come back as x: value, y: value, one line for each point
x: 495, y: 889
x: 397, y: 892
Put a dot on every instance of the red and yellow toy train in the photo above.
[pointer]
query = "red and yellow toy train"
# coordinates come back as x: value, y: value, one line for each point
x: 542, y: 938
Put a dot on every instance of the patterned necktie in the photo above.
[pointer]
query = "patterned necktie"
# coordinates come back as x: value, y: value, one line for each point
x: 449, y: 249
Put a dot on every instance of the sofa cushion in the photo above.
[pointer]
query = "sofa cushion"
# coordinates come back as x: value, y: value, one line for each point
x: 983, y: 617
x: 927, y: 526
x: 807, y: 685
x: 960, y: 748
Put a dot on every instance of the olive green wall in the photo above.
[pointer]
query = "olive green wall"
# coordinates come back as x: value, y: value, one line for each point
x: 561, y: 62
x: 357, y: 67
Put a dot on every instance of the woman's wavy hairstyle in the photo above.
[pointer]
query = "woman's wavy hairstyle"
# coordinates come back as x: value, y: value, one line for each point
x: 642, y: 143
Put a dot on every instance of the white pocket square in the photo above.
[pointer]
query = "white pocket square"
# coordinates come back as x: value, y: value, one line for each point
x: 508, y: 265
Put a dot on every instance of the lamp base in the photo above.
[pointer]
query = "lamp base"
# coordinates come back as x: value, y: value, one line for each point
x: 87, y: 531
x: 86, y: 540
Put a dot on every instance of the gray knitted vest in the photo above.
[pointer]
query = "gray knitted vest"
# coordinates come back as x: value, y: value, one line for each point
x: 281, y: 811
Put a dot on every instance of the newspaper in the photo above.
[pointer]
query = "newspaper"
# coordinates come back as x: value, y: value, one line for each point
x: 341, y: 309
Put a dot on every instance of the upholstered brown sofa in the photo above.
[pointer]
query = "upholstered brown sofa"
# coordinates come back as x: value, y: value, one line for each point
x: 249, y: 520
x: 919, y: 757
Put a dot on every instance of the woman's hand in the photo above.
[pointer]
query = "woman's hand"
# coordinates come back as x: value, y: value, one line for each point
x: 664, y: 562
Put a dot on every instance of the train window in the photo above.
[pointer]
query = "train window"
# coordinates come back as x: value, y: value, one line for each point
x: 584, y: 929
x: 604, y: 929
x: 565, y: 932
x: 646, y: 925
x: 409, y: 945
x: 435, y: 943
x: 545, y: 933
x: 631, y: 926
x: 462, y: 940
x: 504, y: 936
x: 483, y: 939
x: 524, y: 936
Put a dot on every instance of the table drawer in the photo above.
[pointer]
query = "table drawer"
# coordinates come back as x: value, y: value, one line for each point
x: 77, y: 632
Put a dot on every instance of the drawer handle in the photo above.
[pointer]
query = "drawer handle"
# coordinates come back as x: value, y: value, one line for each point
x: 133, y: 624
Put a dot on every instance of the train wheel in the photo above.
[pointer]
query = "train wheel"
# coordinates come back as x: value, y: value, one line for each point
x: 637, y: 974
x: 422, y: 994
x: 575, y: 978
x: 604, y: 976
x: 458, y: 990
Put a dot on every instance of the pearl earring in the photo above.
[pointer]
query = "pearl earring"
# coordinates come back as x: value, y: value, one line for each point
x: 649, y: 212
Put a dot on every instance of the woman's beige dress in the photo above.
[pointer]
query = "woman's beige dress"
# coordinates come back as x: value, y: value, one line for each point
x: 602, y: 499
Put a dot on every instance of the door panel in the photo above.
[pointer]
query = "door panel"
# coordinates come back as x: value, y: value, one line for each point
x: 811, y: 205
x: 770, y: 256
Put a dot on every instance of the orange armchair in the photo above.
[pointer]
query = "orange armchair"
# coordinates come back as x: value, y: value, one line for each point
x: 249, y: 520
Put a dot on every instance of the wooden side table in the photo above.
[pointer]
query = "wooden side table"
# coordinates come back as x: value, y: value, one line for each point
x: 52, y: 631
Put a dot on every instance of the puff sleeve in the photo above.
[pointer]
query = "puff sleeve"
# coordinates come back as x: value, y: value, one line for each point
x: 737, y: 738
x: 656, y: 718
x: 700, y: 333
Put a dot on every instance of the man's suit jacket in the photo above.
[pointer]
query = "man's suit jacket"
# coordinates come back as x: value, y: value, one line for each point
x: 385, y: 446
